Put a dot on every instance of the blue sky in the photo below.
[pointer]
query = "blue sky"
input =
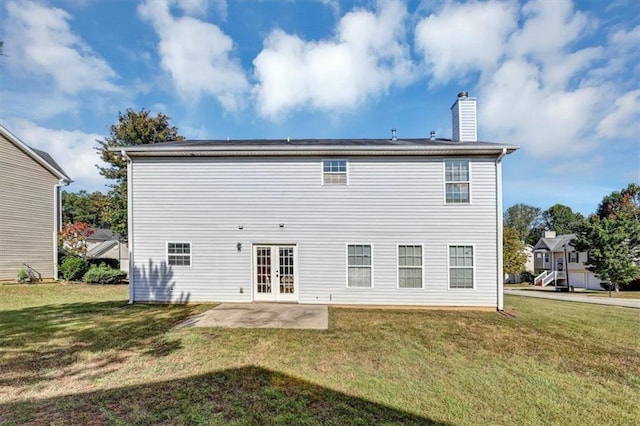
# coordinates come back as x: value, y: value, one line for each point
x: 560, y: 79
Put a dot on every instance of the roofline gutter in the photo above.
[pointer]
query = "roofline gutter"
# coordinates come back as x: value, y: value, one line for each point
x: 259, y: 152
x: 499, y: 233
x: 129, y: 223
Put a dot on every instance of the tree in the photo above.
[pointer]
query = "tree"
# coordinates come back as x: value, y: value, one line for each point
x: 562, y: 219
x: 73, y: 238
x: 523, y: 219
x: 625, y: 202
x: 133, y: 128
x: 612, y: 238
x: 514, y: 257
x: 84, y: 207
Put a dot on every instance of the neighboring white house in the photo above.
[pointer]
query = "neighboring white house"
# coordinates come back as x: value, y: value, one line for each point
x: 339, y: 221
x: 557, y: 263
x: 105, y: 244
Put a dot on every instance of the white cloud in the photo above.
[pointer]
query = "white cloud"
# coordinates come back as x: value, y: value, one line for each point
x: 39, y: 41
x: 366, y: 57
x: 196, y: 54
x: 462, y: 38
x: 536, y: 87
x: 73, y: 150
x: 624, y: 120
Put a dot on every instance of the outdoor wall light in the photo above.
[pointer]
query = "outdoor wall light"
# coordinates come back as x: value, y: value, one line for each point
x: 240, y: 226
x: 281, y: 225
x: 239, y: 246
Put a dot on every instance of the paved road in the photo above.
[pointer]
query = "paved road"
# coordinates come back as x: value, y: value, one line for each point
x: 627, y: 303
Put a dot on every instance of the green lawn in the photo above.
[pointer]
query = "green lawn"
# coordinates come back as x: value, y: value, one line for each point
x: 77, y: 354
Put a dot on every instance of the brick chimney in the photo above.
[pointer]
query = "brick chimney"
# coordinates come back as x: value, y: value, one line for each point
x: 464, y: 118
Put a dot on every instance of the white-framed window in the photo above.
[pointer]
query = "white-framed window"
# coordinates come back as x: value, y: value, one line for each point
x: 410, y: 266
x: 574, y: 257
x: 179, y: 254
x: 334, y: 172
x: 456, y: 177
x: 359, y: 262
x: 461, y: 266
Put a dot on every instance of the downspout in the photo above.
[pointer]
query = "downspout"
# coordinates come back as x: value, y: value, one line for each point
x: 499, y: 234
x: 57, y: 221
x: 129, y: 224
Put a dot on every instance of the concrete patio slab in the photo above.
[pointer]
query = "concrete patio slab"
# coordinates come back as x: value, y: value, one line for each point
x: 262, y: 315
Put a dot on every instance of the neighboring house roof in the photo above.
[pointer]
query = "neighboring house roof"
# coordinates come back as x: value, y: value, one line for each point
x: 41, y: 157
x: 101, y: 248
x: 558, y: 243
x: 265, y: 147
x: 103, y: 234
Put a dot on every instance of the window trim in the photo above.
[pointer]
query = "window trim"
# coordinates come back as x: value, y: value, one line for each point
x: 346, y: 253
x: 444, y: 180
x: 411, y: 267
x: 180, y: 254
x: 574, y: 255
x: 346, y: 172
x: 473, y: 267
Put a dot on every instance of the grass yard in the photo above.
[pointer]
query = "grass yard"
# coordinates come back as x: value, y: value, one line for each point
x: 78, y: 354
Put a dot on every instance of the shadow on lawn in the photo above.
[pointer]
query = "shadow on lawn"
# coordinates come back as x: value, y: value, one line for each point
x: 43, y: 343
x: 247, y: 395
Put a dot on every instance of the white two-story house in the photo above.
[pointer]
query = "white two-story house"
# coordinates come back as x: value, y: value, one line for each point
x: 340, y: 221
x: 557, y: 263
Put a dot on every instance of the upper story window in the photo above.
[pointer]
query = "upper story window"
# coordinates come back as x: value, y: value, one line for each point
x: 179, y: 254
x: 574, y: 257
x: 334, y: 172
x: 456, y: 176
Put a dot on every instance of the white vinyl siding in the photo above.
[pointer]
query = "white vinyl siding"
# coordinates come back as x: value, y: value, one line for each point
x: 179, y: 254
x: 457, y: 182
x: 359, y: 262
x: 410, y: 266
x: 389, y: 201
x: 461, y: 266
x: 334, y: 172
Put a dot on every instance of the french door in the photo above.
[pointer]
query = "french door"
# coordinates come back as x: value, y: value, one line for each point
x: 275, y: 275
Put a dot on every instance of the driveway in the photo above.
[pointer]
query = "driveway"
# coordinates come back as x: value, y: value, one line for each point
x: 262, y: 315
x: 596, y: 300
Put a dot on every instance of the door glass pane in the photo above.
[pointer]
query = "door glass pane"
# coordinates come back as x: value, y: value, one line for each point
x: 263, y: 269
x: 287, y: 284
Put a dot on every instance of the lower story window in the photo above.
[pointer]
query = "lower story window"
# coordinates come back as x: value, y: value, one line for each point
x: 410, y: 266
x: 359, y: 265
x: 460, y: 266
x: 179, y: 254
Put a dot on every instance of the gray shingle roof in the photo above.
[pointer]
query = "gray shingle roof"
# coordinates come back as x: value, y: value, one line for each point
x: 266, y: 146
x: 46, y: 157
x: 555, y: 244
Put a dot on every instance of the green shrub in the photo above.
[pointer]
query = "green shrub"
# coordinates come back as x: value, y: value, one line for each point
x: 73, y: 268
x: 527, y: 277
x: 104, y: 274
x: 114, y: 263
x: 22, y: 276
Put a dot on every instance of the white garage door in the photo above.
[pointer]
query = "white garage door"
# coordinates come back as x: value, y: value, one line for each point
x: 578, y: 279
